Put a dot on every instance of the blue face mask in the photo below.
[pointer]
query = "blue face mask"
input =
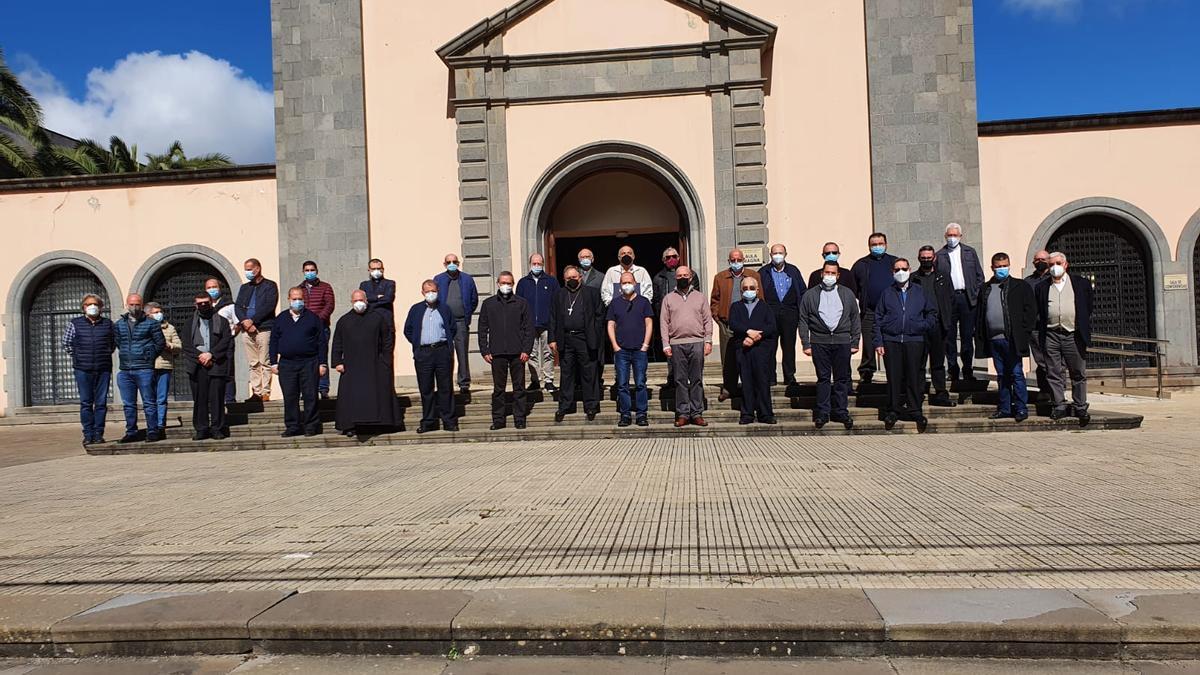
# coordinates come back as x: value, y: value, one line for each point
x: 310, y: 276
x: 452, y: 267
x: 736, y: 266
x: 297, y: 305
x: 214, y: 293
x: 536, y: 269
x: 831, y: 257
x: 1001, y: 273
x: 249, y: 275
x: 878, y: 251
x: 749, y: 295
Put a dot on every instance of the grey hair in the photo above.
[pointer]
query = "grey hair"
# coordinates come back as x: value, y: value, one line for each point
x: 954, y: 226
x: 1059, y: 254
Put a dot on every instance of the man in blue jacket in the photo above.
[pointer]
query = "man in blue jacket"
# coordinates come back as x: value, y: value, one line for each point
x: 458, y: 292
x: 299, y: 353
x: 140, y: 340
x: 904, y: 316
x: 430, y: 329
x: 539, y: 289
x: 752, y: 324
x: 89, y: 339
x: 960, y: 263
x: 782, y: 287
x: 872, y: 274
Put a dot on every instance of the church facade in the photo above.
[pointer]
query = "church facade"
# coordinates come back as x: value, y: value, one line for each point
x: 406, y: 130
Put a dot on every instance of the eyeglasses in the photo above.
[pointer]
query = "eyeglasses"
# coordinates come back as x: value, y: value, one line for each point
x: 899, y: 269
x: 671, y: 257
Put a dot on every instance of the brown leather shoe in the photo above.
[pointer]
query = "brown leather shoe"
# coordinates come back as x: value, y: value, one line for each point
x: 723, y: 396
x: 681, y: 422
x: 699, y: 421
x: 266, y: 397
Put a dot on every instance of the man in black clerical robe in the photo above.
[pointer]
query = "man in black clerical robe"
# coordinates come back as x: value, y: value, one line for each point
x: 363, y: 345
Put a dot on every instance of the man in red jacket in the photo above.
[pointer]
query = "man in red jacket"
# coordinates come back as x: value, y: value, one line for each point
x: 318, y: 299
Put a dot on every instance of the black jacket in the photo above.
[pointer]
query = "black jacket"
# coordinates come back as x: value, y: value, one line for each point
x: 1083, y: 310
x: 972, y: 270
x: 220, y: 343
x: 742, y: 320
x: 1020, y: 315
x: 941, y: 289
x: 593, y: 309
x: 505, y: 326
x: 664, y: 283
x: 266, y: 305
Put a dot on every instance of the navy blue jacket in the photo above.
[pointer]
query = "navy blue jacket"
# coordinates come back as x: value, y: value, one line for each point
x: 416, y: 314
x: 1083, y: 310
x: 265, y: 306
x: 872, y: 276
x: 140, y: 343
x: 92, y: 344
x: 907, y: 320
x: 769, y: 293
x: 375, y: 289
x: 539, y: 293
x: 741, y: 320
x: 972, y: 270
x: 466, y: 284
x: 299, y: 339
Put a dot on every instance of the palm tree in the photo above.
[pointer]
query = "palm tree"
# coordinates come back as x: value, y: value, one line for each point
x: 89, y: 157
x: 24, y: 145
x: 174, y: 159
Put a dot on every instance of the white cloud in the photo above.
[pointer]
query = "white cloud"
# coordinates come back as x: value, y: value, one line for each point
x: 152, y: 99
x: 1058, y: 8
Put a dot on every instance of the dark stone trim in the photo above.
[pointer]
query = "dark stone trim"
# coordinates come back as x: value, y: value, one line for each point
x: 1068, y: 123
x: 243, y: 172
x: 606, y: 55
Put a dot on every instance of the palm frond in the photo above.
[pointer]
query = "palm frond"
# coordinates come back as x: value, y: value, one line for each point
x: 14, y: 159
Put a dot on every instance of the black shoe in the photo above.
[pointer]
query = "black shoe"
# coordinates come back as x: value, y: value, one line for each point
x: 98, y: 440
x: 1058, y: 413
x: 942, y: 400
x: 1021, y: 416
x: 1084, y: 418
x: 313, y: 432
x: 128, y: 438
x: 497, y: 426
x: 768, y: 420
x: 424, y: 429
x: 550, y: 388
x: 520, y: 424
x: 465, y: 391
x: 746, y: 420
x: 624, y: 422
x: 254, y: 398
x: 847, y: 421
x: 154, y: 436
x: 220, y: 435
x: 291, y: 433
x: 200, y: 435
x: 889, y: 421
x: 349, y: 433
x: 324, y: 395
x: 533, y: 386
x: 591, y: 417
x: 968, y: 377
x: 999, y: 416
x: 559, y: 417
x: 922, y: 423
x: 819, y: 422
x: 452, y: 428
x: 643, y: 422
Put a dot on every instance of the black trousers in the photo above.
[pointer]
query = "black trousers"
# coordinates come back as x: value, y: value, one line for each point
x: 730, y: 365
x: 832, y: 363
x: 298, y: 380
x: 208, y: 401
x: 576, y: 369
x: 962, y: 330
x: 434, y: 366
x: 866, y: 362
x: 905, y: 363
x: 756, y: 365
x: 503, y: 367
x: 937, y: 358
x: 789, y: 323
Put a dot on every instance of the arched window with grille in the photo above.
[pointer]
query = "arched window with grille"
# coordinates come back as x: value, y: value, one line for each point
x: 54, y: 301
x: 175, y: 287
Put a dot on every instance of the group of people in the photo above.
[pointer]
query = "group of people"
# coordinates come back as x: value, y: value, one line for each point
x: 936, y: 314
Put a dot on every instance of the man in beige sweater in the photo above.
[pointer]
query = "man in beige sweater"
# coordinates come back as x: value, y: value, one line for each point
x: 686, y: 326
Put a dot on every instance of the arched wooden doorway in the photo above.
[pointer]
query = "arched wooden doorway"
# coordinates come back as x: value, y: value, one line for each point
x: 54, y: 301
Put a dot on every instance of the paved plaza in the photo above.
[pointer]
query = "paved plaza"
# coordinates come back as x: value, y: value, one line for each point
x: 1005, y: 510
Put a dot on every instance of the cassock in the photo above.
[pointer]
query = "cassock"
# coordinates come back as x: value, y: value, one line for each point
x: 363, y: 344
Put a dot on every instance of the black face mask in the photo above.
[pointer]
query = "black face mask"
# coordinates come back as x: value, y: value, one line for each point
x: 683, y: 284
x: 627, y: 260
x: 205, y: 311
x: 1041, y: 267
x: 572, y: 284
x: 926, y: 265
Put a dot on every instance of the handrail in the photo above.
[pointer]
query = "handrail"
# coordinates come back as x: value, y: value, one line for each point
x: 1158, y: 352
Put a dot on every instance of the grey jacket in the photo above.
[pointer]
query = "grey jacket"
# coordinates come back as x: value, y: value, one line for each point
x: 814, y: 331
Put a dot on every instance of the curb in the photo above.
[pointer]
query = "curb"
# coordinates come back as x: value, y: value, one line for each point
x: 1093, y: 624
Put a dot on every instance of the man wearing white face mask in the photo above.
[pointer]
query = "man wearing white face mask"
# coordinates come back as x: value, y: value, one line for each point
x: 164, y: 365
x: 961, y: 264
x: 363, y: 347
x: 630, y: 327
x: 505, y: 341
x: 782, y: 287
x: 830, y: 328
x: 904, y: 316
x: 430, y: 328
x: 1064, y: 305
x: 381, y: 291
x: 90, y: 341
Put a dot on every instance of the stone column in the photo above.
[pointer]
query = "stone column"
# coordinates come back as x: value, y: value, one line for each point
x: 924, y: 126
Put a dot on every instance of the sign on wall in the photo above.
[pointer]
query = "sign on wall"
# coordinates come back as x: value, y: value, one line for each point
x: 1175, y: 282
x: 754, y: 256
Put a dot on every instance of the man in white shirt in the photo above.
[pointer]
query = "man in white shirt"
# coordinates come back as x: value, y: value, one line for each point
x: 612, y: 278
x: 960, y: 263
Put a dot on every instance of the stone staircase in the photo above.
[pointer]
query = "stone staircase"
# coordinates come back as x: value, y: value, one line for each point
x: 257, y: 426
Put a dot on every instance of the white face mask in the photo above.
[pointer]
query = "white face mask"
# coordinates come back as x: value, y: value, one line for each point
x: 376, y: 274
x: 92, y: 310
x: 628, y: 289
x: 505, y: 289
x: 829, y: 280
x: 952, y: 242
x: 157, y: 316
x: 360, y: 306
x: 431, y: 297
x: 901, y: 276
x: 778, y: 258
x: 1057, y: 271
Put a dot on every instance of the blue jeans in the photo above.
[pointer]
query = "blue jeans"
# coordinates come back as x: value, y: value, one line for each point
x: 638, y: 359
x: 93, y: 400
x: 1011, y: 377
x: 134, y: 382
x: 162, y: 389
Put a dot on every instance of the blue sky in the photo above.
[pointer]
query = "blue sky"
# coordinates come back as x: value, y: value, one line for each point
x: 200, y: 70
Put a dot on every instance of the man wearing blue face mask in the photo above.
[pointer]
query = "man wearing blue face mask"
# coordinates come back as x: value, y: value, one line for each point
x: 872, y: 275
x: 754, y: 331
x: 1004, y: 329
x: 257, y: 302
x: 782, y: 287
x: 539, y: 288
x: 223, y: 305
x: 462, y: 299
x: 318, y: 298
x: 299, y: 354
x: 726, y: 291
x: 832, y: 253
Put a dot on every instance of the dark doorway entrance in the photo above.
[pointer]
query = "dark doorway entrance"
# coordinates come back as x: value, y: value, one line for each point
x: 647, y: 247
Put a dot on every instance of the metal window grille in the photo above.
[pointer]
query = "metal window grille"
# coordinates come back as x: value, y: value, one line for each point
x: 55, y: 301
x: 175, y: 288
